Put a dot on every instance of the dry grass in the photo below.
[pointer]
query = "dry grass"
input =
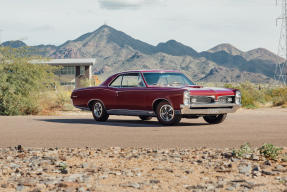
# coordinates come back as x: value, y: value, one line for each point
x: 55, y: 100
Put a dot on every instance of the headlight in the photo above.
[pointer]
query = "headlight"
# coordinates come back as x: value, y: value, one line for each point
x: 186, y: 98
x: 238, y: 97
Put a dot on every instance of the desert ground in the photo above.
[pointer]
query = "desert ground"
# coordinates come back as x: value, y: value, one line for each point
x: 72, y: 152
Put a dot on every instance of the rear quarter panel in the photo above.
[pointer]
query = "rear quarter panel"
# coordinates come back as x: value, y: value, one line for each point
x: 83, y: 96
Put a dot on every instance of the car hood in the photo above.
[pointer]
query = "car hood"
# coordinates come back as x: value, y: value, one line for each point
x: 209, y: 91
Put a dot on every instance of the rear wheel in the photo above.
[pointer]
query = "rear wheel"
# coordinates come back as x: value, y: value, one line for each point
x: 215, y: 119
x: 166, y: 114
x: 145, y: 118
x: 99, y: 112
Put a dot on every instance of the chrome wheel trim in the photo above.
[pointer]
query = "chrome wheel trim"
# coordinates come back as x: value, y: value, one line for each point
x: 98, y: 109
x: 166, y: 112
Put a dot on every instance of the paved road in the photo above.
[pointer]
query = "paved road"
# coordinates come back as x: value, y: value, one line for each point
x: 78, y: 130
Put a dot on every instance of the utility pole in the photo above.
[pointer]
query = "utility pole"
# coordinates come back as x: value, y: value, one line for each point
x: 281, y: 68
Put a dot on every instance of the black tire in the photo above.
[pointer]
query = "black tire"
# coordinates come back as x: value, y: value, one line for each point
x: 145, y: 118
x: 99, y: 112
x: 166, y: 114
x: 215, y: 119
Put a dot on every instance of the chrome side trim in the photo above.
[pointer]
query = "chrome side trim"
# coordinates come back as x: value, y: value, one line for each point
x: 227, y: 96
x: 213, y: 108
x: 130, y: 112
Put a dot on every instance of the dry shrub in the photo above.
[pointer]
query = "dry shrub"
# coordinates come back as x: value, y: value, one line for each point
x: 56, y: 100
x: 279, y: 96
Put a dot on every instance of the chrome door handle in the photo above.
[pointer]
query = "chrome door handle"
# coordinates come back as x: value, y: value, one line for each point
x: 117, y: 92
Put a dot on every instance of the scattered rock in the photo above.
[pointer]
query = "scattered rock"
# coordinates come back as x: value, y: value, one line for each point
x: 230, y: 188
x: 267, y: 172
x: 267, y: 163
x: 19, y: 187
x: 88, y: 169
x: 279, y: 168
x: 154, y: 181
x: 244, y: 169
x: 132, y: 185
x: 255, y: 157
x: 19, y: 148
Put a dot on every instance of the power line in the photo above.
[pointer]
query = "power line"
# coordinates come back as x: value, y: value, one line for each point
x: 281, y: 68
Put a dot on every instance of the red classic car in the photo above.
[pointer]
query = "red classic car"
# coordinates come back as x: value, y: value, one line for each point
x: 167, y: 95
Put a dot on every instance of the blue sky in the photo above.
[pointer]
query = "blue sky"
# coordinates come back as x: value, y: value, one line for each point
x: 201, y: 24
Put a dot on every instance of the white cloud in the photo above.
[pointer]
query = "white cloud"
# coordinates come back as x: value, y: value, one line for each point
x: 126, y: 4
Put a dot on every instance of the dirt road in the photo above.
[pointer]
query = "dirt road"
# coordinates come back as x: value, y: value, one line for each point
x: 78, y: 130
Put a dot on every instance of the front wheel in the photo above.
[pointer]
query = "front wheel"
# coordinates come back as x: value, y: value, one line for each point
x: 166, y: 114
x: 99, y: 111
x: 215, y: 119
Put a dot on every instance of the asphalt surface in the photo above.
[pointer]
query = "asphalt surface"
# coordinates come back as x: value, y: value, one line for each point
x: 80, y: 130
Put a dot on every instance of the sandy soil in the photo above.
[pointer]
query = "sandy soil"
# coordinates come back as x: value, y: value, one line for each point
x: 77, y: 129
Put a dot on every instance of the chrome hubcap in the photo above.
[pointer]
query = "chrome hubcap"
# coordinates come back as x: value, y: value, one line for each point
x: 98, y: 109
x: 166, y: 112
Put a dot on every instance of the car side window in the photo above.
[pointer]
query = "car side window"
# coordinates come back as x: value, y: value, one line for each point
x: 117, y: 82
x: 132, y: 80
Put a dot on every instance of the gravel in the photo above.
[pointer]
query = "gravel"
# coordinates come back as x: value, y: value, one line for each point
x: 136, y: 169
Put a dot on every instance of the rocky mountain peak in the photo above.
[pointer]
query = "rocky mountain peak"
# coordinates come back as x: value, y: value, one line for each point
x: 228, y: 48
x: 175, y: 48
x: 263, y: 54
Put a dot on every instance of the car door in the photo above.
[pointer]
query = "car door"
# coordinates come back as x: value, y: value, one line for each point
x: 113, y: 90
x: 131, y: 95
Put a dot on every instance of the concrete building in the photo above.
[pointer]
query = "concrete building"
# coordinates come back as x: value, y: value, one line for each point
x: 72, y: 70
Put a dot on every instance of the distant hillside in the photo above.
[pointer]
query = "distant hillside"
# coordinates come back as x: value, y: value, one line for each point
x: 221, y: 74
x: 14, y: 44
x: 116, y: 51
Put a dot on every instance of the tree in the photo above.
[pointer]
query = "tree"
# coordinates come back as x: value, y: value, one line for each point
x: 21, y: 81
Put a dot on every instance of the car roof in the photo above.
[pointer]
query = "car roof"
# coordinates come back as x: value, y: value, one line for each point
x: 111, y: 78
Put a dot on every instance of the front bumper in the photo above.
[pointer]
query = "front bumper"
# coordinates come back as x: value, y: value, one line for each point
x: 209, y: 109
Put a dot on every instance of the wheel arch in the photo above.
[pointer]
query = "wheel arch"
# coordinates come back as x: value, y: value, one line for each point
x: 91, y: 101
x: 157, y: 101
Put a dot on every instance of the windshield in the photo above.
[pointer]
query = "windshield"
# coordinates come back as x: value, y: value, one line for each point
x: 167, y: 79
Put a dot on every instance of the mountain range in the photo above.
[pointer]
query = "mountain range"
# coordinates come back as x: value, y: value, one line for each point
x: 116, y: 51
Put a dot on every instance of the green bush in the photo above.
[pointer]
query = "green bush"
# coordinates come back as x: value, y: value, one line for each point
x: 21, y: 82
x: 254, y: 96
x: 270, y: 151
x: 243, y: 151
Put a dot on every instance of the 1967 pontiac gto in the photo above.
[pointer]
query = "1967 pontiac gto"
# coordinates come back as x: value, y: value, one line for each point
x: 167, y: 95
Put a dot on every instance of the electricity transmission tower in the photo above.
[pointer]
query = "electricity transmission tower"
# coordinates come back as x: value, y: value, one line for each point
x: 281, y: 68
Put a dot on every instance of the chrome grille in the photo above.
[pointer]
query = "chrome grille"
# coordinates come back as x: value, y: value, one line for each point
x: 226, y: 99
x: 201, y: 99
